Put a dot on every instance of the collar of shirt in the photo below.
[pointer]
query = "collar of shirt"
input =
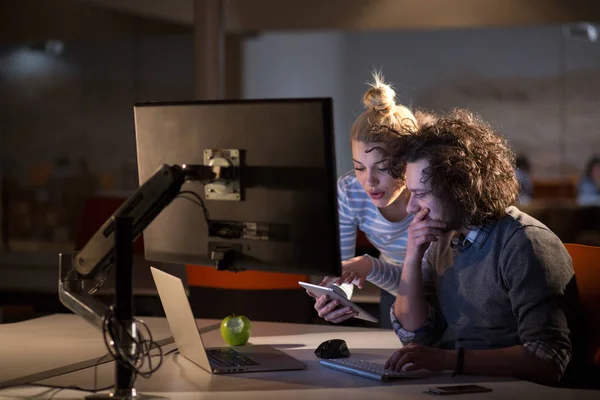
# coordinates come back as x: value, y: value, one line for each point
x: 478, y: 235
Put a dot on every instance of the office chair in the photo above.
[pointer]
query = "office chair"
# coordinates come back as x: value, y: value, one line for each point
x: 586, y: 264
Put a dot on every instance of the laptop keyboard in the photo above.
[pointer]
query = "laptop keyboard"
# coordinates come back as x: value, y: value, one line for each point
x: 366, y: 369
x: 225, y: 358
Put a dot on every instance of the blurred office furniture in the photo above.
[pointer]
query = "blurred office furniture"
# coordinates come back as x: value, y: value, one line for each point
x: 555, y: 190
x: 28, y: 285
x: 570, y: 222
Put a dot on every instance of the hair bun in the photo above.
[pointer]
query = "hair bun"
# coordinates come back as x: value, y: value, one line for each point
x: 380, y: 97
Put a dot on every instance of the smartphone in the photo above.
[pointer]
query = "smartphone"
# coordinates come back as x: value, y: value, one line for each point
x: 457, y: 389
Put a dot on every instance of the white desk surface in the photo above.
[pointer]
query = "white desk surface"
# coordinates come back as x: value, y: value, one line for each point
x: 32, y: 347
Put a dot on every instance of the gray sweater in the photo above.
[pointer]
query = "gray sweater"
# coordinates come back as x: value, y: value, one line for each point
x: 513, y: 284
x: 506, y: 288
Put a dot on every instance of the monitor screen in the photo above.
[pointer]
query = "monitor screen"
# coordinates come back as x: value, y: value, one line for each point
x: 279, y: 214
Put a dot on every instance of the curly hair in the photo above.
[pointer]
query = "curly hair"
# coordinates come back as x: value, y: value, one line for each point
x: 385, y: 135
x: 471, y: 168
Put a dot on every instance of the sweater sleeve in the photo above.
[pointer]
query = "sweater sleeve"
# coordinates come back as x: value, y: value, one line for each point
x: 536, y: 270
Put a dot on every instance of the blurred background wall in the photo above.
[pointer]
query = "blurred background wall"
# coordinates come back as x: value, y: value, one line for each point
x: 538, y: 86
x: 71, y: 70
x: 80, y: 102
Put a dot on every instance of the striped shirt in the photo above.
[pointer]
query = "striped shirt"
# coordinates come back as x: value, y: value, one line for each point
x: 357, y: 211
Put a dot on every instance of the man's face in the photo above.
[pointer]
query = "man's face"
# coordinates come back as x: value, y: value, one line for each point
x: 421, y: 196
x: 372, y: 172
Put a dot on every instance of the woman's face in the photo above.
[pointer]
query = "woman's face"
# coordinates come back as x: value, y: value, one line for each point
x: 372, y: 171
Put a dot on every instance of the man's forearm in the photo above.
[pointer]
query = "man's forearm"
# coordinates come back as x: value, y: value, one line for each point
x: 513, y: 361
x: 411, y: 309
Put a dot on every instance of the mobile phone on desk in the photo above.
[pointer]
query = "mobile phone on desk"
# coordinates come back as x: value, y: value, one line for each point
x: 457, y: 389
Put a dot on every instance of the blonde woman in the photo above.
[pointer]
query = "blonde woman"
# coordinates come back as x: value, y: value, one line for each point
x: 371, y: 200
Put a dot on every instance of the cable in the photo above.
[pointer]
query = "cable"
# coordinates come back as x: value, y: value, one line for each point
x: 225, y: 231
x: 172, y: 351
x: 71, y: 387
x: 115, y: 334
x: 200, y: 203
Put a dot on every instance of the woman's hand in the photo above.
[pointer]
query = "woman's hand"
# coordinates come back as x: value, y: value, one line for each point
x: 355, y: 271
x: 329, y: 311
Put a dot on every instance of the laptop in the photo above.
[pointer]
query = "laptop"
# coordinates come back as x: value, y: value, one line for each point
x: 219, y: 360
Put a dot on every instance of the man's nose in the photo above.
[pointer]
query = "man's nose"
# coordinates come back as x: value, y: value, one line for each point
x: 412, y: 207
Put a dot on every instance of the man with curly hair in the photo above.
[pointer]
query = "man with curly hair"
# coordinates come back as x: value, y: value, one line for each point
x: 504, y: 282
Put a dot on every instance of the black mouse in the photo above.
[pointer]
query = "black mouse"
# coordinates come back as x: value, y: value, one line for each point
x: 333, y: 348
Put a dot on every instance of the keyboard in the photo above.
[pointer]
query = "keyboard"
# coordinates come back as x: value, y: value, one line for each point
x: 228, y: 358
x: 366, y: 369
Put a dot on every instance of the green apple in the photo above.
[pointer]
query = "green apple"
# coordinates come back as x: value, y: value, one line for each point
x: 236, y: 330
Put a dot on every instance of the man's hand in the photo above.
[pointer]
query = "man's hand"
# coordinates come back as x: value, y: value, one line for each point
x: 355, y: 271
x: 413, y: 357
x: 421, y: 233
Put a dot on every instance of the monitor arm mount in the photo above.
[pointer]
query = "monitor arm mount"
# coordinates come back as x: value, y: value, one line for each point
x: 82, y: 273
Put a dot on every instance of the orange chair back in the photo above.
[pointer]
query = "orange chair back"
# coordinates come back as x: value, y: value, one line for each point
x: 253, y: 280
x: 586, y: 264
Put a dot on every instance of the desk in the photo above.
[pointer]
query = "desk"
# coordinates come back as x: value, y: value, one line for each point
x: 32, y: 347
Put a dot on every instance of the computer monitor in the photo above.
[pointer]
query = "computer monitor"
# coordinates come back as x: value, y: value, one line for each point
x: 281, y: 215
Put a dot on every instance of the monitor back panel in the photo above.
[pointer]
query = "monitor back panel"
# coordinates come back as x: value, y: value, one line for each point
x: 288, y: 155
